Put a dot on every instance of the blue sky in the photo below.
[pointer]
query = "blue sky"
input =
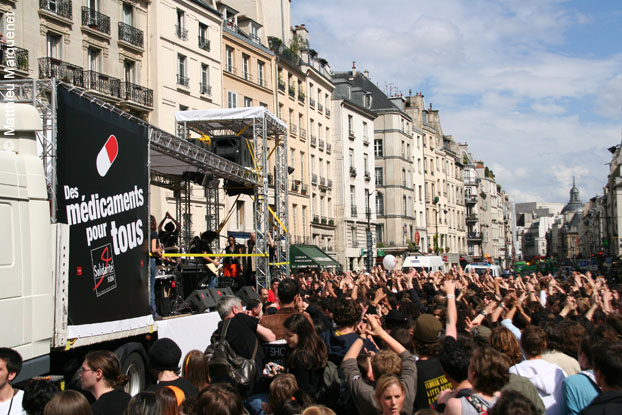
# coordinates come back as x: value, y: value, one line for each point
x: 534, y: 86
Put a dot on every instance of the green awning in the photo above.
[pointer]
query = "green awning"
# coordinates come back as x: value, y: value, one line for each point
x: 310, y: 256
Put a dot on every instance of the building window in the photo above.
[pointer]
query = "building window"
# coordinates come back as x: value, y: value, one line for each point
x: 180, y: 28
x: 229, y: 60
x: 261, y: 73
x: 404, y: 206
x: 378, y: 148
x: 239, y: 214
x: 351, y: 157
x: 232, y: 99
x: 203, y: 37
x: 379, y: 177
x: 379, y: 203
x: 54, y: 46
x: 94, y: 57
x: 182, y: 70
x: 128, y: 13
x: 245, y: 65
x: 129, y: 71
x: 248, y: 102
x: 205, y: 86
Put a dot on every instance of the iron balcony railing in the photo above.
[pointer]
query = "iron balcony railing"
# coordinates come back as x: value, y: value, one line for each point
x: 353, y: 211
x: 63, y: 8
x: 314, y: 178
x: 281, y: 85
x: 327, y: 112
x: 321, y: 145
x: 19, y: 57
x: 470, y: 199
x: 230, y: 69
x: 102, y: 83
x: 66, y: 72
x: 95, y: 20
x: 183, y: 80
x: 261, y: 82
x: 204, y: 43
x: 330, y: 183
x: 329, y: 147
x: 131, y: 35
x: 303, y: 133
x: 206, y: 89
x: 320, y: 107
x: 313, y: 140
x: 136, y: 93
x: 181, y: 32
x: 322, y: 181
x: 312, y: 102
x: 293, y: 130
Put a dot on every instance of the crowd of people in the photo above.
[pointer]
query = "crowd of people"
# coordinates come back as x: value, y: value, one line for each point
x: 383, y: 342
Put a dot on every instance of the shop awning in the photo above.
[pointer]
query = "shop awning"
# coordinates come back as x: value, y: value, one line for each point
x: 310, y: 256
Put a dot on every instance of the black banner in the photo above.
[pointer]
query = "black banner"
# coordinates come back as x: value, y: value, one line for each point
x: 102, y: 194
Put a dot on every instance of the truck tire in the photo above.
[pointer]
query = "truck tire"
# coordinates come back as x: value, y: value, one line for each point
x: 134, y: 368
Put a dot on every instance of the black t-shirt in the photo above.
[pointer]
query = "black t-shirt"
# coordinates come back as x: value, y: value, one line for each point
x: 111, y: 403
x: 430, y: 382
x: 187, y: 388
x: 242, y: 335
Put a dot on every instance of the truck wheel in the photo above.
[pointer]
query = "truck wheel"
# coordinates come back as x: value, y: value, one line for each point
x: 134, y: 368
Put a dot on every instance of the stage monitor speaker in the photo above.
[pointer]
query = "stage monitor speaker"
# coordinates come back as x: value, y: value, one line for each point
x: 247, y: 293
x: 220, y: 292
x: 201, y: 300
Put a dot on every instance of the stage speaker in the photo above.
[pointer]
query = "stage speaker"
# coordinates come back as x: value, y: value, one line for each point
x: 220, y: 292
x: 201, y: 300
x: 247, y: 293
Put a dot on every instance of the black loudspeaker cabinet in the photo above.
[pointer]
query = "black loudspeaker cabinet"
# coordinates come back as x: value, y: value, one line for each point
x: 201, y: 300
x: 247, y: 293
x: 220, y: 292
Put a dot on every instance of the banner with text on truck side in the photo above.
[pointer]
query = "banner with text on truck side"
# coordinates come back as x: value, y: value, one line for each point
x: 102, y: 193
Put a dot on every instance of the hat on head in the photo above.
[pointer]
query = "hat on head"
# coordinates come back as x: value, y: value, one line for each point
x: 395, y: 317
x: 481, y: 333
x: 427, y: 329
x: 164, y: 355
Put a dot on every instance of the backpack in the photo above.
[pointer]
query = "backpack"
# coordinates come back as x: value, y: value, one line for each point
x: 480, y: 405
x: 224, y: 360
x: 329, y: 391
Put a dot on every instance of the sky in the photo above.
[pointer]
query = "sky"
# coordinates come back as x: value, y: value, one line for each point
x: 533, y: 86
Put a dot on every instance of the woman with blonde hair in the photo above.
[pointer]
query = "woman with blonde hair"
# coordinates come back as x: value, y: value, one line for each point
x: 318, y: 410
x: 195, y: 369
x: 390, y: 394
x: 68, y: 402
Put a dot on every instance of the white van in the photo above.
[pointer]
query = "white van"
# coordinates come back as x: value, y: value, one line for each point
x: 481, y: 268
x: 420, y: 263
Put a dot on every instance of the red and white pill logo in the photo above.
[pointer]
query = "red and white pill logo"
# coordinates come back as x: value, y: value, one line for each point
x: 107, y: 155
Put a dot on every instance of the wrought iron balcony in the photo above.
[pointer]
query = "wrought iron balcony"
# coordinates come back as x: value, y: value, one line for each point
x: 95, y: 20
x: 230, y: 69
x: 66, y: 72
x: 183, y: 80
x: 327, y: 112
x: 366, y: 140
x: 293, y: 130
x: 329, y: 147
x: 131, y: 35
x: 301, y: 96
x: 320, y: 107
x: 353, y: 211
x: 471, y: 217
x: 102, y: 83
x: 136, y: 93
x: 18, y: 56
x: 474, y: 236
x: 304, y: 188
x: 314, y: 178
x: 351, y: 135
x: 206, y: 89
x: 292, y: 91
x: 313, y: 140
x: 181, y: 32
x: 303, y: 133
x: 352, y: 171
x: 247, y: 75
x: 367, y: 175
x: 281, y: 85
x: 321, y: 146
x: 322, y: 181
x: 470, y: 199
x: 330, y: 183
x: 204, y: 43
x: 312, y: 102
x: 62, y: 8
x: 262, y: 82
x: 316, y: 219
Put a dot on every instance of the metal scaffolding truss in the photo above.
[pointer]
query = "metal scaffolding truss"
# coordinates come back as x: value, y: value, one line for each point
x: 257, y: 125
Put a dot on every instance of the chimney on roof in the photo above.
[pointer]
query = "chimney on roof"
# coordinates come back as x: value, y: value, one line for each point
x: 366, y: 73
x: 353, y: 68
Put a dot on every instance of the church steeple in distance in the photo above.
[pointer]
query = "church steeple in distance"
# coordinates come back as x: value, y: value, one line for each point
x: 574, y: 204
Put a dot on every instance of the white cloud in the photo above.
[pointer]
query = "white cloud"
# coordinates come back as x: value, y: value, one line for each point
x: 502, y: 73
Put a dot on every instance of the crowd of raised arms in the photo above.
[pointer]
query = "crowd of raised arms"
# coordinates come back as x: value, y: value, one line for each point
x: 383, y: 342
